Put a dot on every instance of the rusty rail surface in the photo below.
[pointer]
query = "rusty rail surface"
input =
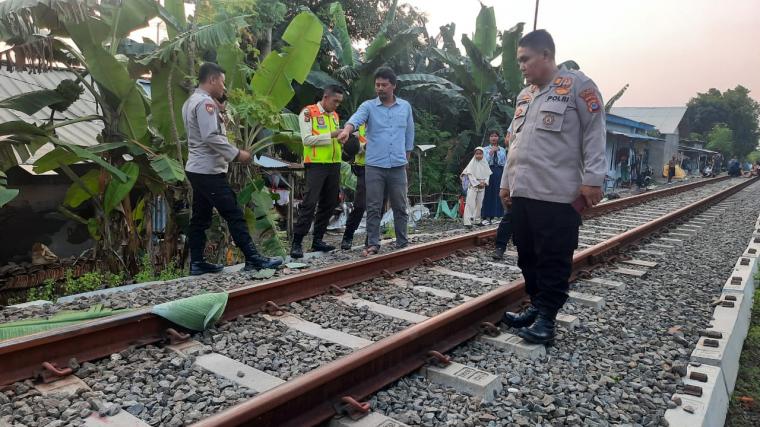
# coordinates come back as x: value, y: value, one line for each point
x: 318, y: 395
x: 24, y: 357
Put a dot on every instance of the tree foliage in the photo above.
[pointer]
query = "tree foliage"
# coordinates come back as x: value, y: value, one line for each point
x: 734, y: 108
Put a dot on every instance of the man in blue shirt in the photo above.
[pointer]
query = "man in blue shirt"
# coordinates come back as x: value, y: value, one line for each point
x: 390, y: 139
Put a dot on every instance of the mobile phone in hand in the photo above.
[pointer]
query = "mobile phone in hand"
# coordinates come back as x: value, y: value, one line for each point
x: 579, y: 204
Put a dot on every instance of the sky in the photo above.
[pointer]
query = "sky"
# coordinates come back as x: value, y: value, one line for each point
x: 667, y: 50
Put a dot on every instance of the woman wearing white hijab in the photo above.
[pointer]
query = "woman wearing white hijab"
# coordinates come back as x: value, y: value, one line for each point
x: 475, y: 176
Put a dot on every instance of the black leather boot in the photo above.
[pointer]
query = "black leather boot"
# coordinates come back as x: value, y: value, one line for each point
x: 540, y: 332
x: 347, y: 242
x: 498, y: 253
x: 202, y: 267
x: 296, y: 250
x: 523, y: 318
x: 320, y: 246
x: 258, y: 262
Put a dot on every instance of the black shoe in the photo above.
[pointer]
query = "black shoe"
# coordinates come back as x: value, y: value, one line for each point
x: 347, y: 243
x: 398, y: 245
x: 296, y: 251
x: 498, y: 253
x: 321, y: 246
x: 540, y: 332
x: 523, y: 318
x: 258, y: 262
x: 202, y: 267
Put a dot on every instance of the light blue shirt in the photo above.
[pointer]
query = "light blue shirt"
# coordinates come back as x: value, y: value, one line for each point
x: 390, y: 131
x: 501, y: 156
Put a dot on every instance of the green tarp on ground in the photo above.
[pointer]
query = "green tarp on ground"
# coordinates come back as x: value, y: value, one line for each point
x: 443, y: 209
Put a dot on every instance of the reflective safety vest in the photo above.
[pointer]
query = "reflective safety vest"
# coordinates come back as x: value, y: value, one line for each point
x: 322, y: 123
x: 361, y: 157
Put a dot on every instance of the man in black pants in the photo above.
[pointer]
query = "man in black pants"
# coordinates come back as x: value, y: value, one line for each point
x: 209, y: 153
x: 503, y: 234
x: 559, y: 121
x: 319, y: 125
x: 360, y: 196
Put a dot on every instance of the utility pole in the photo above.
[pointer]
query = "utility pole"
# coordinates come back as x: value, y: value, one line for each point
x: 535, y: 17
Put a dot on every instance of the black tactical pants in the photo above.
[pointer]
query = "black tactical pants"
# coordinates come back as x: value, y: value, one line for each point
x: 360, y: 202
x: 213, y: 191
x: 545, y: 234
x: 322, y: 189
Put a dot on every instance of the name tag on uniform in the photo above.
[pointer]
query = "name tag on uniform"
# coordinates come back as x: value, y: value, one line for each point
x: 321, y: 121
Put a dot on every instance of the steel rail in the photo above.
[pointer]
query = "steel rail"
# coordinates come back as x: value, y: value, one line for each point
x: 24, y: 357
x: 317, y: 396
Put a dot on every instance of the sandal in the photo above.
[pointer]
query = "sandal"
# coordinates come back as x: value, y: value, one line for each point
x: 371, y: 250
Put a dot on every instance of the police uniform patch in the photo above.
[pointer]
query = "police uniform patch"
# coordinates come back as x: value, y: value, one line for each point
x: 321, y: 121
x: 593, y: 105
x: 549, y: 119
x: 210, y: 108
x: 306, y: 115
x: 563, y: 88
x: 524, y: 99
x: 557, y: 81
x: 519, y: 112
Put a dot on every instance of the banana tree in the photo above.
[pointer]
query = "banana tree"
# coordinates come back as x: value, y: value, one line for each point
x: 350, y: 69
x: 485, y: 86
x: 129, y: 153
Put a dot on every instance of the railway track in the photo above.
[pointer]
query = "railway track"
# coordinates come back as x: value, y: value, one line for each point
x: 451, y: 307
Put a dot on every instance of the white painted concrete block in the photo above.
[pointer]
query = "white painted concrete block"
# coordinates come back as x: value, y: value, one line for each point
x: 733, y: 324
x: 325, y: 334
x: 710, y: 409
x: 612, y: 284
x: 512, y: 268
x: 671, y: 241
x: 514, y: 344
x: 373, y: 419
x: 465, y: 379
x: 742, y: 280
x: 640, y: 263
x: 441, y: 293
x: 630, y: 272
x: 68, y: 385
x: 568, y: 320
x: 467, y: 276
x: 382, y: 309
x: 593, y: 301
x: 230, y: 369
x: 122, y: 419
x: 648, y: 252
x: 660, y: 246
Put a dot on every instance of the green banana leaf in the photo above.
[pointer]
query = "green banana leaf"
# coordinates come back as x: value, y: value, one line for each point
x: 485, y: 31
x: 64, y: 318
x: 112, y: 75
x: 76, y: 195
x: 197, y: 313
x: 340, y: 30
x: 31, y: 102
x: 274, y: 76
x: 116, y: 190
x: 162, y: 92
x: 168, y: 169
x: 510, y: 69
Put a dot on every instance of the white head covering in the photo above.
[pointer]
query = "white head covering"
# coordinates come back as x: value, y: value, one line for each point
x: 477, y: 169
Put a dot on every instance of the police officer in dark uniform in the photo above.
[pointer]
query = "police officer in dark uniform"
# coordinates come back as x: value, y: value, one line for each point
x: 209, y: 153
x: 555, y: 169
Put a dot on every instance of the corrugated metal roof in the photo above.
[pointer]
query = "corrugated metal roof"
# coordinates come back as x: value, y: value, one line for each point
x: 666, y: 119
x: 635, y: 136
x: 83, y: 133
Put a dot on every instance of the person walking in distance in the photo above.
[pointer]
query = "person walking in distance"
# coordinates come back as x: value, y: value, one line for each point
x: 475, y: 178
x: 496, y: 157
x: 320, y: 126
x: 390, y: 135
x: 209, y: 153
x: 559, y: 121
